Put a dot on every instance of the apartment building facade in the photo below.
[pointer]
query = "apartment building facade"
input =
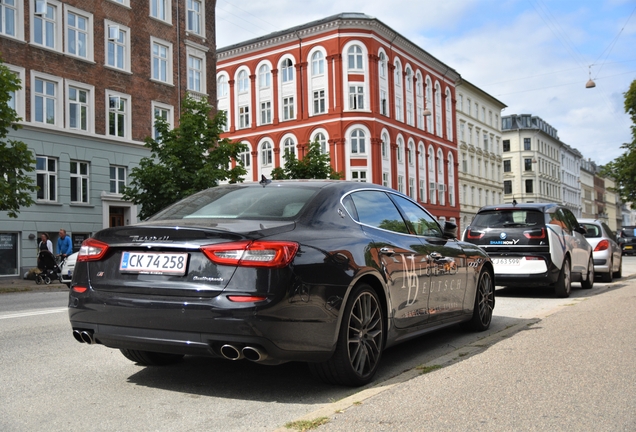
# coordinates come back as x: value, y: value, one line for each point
x: 480, y: 153
x: 382, y: 107
x: 94, y: 76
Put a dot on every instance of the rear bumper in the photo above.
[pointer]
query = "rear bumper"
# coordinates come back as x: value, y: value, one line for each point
x: 532, y: 273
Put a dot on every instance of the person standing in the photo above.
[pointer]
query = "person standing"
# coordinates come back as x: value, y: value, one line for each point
x: 45, y: 243
x: 64, y: 244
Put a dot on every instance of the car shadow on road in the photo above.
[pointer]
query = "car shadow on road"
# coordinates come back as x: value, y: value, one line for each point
x: 547, y: 292
x: 293, y: 383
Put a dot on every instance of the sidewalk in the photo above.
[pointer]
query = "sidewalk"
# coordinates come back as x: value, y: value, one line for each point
x: 15, y: 284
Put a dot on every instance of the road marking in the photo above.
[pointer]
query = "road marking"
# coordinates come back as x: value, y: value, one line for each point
x: 33, y: 313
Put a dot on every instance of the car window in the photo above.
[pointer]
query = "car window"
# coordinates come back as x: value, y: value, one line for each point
x: 241, y: 202
x: 508, y: 218
x: 375, y: 208
x: 557, y: 218
x: 570, y: 219
x: 608, y: 231
x: 418, y: 220
x: 593, y: 230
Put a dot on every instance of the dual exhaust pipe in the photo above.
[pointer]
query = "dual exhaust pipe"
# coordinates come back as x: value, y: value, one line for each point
x: 84, y: 336
x: 232, y: 352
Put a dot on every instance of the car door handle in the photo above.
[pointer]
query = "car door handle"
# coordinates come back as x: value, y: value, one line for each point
x: 387, y: 251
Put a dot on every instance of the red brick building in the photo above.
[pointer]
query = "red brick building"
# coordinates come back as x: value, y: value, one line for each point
x: 94, y: 75
x: 382, y: 107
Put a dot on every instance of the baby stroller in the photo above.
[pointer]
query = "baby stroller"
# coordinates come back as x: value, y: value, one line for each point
x: 48, y: 267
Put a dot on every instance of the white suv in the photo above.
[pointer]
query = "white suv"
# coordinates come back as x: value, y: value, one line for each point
x: 534, y: 245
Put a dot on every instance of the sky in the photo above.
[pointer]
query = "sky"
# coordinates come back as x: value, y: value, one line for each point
x: 533, y: 55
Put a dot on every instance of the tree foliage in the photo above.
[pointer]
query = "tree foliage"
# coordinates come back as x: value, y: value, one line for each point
x: 16, y: 160
x: 315, y: 165
x: 623, y: 168
x: 184, y: 160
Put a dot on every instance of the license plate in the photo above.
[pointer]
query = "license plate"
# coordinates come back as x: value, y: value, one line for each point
x: 628, y: 247
x: 154, y: 263
x: 506, y: 261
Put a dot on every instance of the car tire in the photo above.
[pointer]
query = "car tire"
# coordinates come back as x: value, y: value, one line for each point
x: 589, y: 282
x: 609, y: 276
x: 148, y: 358
x: 360, y: 341
x: 563, y: 286
x: 484, y: 304
x: 619, y: 273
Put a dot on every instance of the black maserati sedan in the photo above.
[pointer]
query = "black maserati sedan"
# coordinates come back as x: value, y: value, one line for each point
x: 326, y: 272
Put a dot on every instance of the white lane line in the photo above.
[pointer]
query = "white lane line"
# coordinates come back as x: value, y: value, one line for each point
x: 33, y: 313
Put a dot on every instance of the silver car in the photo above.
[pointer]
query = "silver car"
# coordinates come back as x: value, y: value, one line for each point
x: 608, y: 258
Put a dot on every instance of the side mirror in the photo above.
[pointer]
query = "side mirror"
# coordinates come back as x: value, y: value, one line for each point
x: 450, y: 230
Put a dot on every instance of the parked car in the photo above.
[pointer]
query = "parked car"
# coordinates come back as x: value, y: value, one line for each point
x: 627, y: 240
x: 67, y: 268
x: 534, y: 245
x: 327, y: 272
x: 608, y: 257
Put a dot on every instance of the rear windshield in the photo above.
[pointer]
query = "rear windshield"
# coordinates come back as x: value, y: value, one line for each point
x: 240, y: 202
x: 508, y: 219
x: 628, y: 232
x: 593, y: 230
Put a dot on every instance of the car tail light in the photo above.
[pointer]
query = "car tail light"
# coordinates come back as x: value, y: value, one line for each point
x: 474, y: 235
x: 258, y: 253
x: 92, y: 250
x: 602, y: 245
x: 245, y: 298
x: 79, y: 289
x: 535, y: 234
x: 534, y: 258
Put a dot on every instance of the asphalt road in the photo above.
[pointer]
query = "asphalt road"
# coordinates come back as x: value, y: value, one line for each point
x: 50, y: 382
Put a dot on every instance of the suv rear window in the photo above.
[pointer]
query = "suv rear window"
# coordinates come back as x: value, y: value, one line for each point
x: 508, y: 218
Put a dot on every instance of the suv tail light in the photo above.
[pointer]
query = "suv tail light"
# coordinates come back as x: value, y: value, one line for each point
x: 92, y: 250
x: 474, y: 235
x: 535, y: 234
x: 258, y: 253
x: 602, y: 245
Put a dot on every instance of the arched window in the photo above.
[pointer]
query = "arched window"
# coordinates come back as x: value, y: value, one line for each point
x: 451, y: 179
x: 221, y: 86
x: 438, y: 110
x: 287, y: 69
x: 246, y: 158
x: 385, y: 146
x: 429, y: 105
x: 411, y: 154
x: 266, y: 154
x: 320, y: 138
x: 354, y: 56
x: 317, y: 63
x: 409, y: 79
x: 449, y: 116
x: 243, y: 82
x: 264, y: 77
x: 398, y: 73
x: 358, y: 142
x: 440, y: 177
x: 420, y: 157
x: 382, y: 64
x: 400, y: 151
x: 289, y: 147
x: 432, y: 186
x: 418, y: 84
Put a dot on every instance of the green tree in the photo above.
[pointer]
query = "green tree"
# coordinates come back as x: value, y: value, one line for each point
x: 184, y: 160
x: 16, y: 160
x: 623, y: 168
x: 315, y: 165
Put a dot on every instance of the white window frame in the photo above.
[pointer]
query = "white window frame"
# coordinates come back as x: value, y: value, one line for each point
x: 266, y: 112
x: 18, y: 20
x: 58, y: 30
x: 117, y: 180
x: 359, y: 175
x: 90, y: 50
x: 161, y: 106
x: 289, y: 113
x: 264, y: 76
x: 244, y: 116
x: 243, y: 81
x: 201, y: 55
x: 319, y: 100
x: 201, y: 16
x: 168, y: 60
x: 400, y: 183
x: 266, y: 154
x: 48, y: 175
x: 59, y: 99
x: 356, y: 56
x: 287, y: 71
x: 127, y: 118
x: 222, y: 86
x: 83, y: 182
x: 360, y: 147
x: 90, y: 104
x: 317, y: 63
x: 356, y: 97
x: 287, y: 143
x: 110, y: 27
x: 19, y: 95
x: 125, y: 3
x: 167, y: 4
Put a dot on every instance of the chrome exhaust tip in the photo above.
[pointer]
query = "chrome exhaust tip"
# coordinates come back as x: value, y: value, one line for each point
x: 231, y: 352
x: 254, y: 354
x: 87, y: 337
x: 78, y: 336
